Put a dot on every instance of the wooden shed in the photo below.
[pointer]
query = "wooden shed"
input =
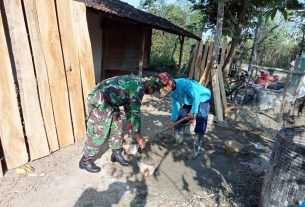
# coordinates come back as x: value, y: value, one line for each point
x: 121, y: 36
x: 52, y: 53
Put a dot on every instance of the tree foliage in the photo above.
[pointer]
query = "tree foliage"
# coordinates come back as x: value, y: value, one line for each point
x: 277, y: 42
x: 240, y: 18
x: 165, y: 46
x: 276, y: 48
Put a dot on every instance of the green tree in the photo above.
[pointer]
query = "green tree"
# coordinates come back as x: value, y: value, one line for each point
x: 240, y: 18
x: 165, y: 46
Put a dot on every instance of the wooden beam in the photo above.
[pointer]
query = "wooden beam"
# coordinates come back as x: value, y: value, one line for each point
x: 284, y: 101
x: 206, y: 72
x: 41, y: 74
x: 194, y: 55
x: 222, y: 92
x: 31, y: 111
x: 198, y: 62
x: 11, y: 132
x: 204, y: 58
x: 83, y: 48
x: 71, y: 61
x: 181, y: 40
x: 216, y: 92
x: 57, y: 77
x: 223, y: 53
x: 220, y: 76
x: 215, y: 58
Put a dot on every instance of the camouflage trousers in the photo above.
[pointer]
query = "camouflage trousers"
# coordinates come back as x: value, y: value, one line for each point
x: 104, y: 124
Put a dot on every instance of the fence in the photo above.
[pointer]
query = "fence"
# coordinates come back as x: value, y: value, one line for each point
x: 46, y: 73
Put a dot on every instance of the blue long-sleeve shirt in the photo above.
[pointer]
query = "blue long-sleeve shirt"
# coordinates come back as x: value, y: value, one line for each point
x: 188, y: 92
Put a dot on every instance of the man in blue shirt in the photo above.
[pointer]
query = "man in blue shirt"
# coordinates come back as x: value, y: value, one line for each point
x: 189, y: 99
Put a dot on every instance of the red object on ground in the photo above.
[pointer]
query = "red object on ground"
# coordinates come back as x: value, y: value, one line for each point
x: 267, y: 77
x: 260, y: 81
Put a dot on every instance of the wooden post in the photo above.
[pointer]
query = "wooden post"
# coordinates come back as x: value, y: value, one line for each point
x: 71, y: 61
x: 216, y: 92
x: 221, y: 81
x: 181, y: 40
x: 11, y: 133
x: 198, y: 62
x: 41, y: 74
x: 142, y: 52
x: 83, y: 48
x: 31, y: 111
x: 57, y: 77
x: 205, y: 76
x: 204, y: 59
x: 192, y: 67
x: 283, y: 104
x: 214, y: 68
x: 223, y: 53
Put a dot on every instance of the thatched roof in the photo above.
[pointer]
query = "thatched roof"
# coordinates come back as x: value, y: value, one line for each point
x: 128, y: 12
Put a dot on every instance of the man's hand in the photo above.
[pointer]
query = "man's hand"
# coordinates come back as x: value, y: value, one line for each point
x: 129, y: 126
x: 170, y: 124
x: 140, y: 140
x: 190, y: 116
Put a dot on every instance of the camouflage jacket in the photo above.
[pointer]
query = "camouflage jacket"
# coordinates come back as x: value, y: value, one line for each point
x: 126, y: 91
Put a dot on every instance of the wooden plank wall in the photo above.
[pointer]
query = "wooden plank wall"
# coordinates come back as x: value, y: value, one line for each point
x: 45, y: 81
x: 122, y: 53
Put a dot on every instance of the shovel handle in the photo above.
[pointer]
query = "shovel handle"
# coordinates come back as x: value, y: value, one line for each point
x: 175, y: 124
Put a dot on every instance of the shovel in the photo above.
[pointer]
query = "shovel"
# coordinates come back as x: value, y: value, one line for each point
x: 155, y: 137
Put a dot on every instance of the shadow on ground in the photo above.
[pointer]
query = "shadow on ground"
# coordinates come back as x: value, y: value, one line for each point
x: 234, y: 179
x: 92, y: 197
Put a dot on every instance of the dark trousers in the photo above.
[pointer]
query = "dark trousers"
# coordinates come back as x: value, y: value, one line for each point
x: 201, y: 116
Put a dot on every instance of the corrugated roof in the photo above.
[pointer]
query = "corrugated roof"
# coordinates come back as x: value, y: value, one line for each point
x: 124, y: 10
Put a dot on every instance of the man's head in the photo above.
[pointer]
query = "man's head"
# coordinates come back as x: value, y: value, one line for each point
x: 157, y: 82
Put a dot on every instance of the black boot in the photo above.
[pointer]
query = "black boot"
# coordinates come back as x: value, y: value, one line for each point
x: 88, y: 164
x: 117, y: 156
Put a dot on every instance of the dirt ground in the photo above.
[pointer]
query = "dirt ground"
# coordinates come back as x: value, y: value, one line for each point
x: 216, y: 178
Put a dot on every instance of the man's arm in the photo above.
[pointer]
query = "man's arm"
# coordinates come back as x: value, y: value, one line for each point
x: 175, y: 109
x: 195, y: 99
x: 136, y: 93
x: 127, y: 110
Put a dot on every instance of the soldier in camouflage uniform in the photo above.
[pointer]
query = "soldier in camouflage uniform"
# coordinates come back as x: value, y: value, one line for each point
x: 104, y: 123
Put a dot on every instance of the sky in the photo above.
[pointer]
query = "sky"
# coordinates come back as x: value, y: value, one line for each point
x: 134, y: 3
